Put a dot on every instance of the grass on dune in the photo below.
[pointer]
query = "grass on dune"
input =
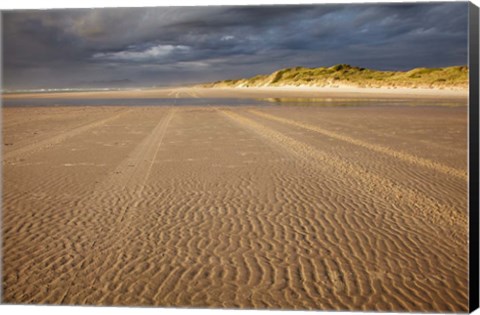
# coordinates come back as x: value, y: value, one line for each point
x: 344, y: 74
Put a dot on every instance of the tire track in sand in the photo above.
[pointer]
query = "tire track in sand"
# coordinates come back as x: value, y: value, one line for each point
x: 420, y: 204
x: 406, y: 157
x: 127, y: 182
x: 125, y: 186
x: 136, y: 168
x: 40, y: 145
x: 135, y: 177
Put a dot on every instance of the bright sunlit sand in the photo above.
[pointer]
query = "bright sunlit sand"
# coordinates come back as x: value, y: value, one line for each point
x: 284, y: 157
x: 296, y: 207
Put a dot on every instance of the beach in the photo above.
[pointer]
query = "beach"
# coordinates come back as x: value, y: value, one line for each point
x: 254, y: 92
x: 265, y: 207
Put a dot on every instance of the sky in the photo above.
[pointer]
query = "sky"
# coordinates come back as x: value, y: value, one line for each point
x: 165, y: 46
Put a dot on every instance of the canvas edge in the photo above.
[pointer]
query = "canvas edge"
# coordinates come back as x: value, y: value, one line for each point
x: 473, y: 156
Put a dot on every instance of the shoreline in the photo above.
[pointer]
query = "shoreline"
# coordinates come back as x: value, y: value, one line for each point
x: 255, y: 92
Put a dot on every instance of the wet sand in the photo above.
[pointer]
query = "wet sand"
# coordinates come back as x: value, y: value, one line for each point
x: 331, y: 208
x: 254, y: 92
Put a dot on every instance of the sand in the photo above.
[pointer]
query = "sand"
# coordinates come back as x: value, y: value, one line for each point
x: 332, y: 208
x: 254, y: 92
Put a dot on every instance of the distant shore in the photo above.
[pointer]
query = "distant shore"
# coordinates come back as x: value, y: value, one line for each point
x: 345, y: 75
x: 255, y: 92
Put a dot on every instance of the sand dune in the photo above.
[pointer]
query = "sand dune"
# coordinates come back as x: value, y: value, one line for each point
x: 267, y: 207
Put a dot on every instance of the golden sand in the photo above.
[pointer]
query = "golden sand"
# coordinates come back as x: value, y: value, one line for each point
x: 259, y: 92
x: 332, y: 208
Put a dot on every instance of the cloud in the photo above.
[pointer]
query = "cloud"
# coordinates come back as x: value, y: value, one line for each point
x: 227, y: 37
x: 175, y: 45
x: 150, y: 54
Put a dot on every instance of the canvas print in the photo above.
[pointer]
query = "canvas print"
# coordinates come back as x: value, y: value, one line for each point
x: 300, y: 157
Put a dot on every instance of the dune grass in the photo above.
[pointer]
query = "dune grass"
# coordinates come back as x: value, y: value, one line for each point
x: 343, y: 74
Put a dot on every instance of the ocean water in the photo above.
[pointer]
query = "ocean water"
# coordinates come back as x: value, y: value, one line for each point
x: 227, y: 102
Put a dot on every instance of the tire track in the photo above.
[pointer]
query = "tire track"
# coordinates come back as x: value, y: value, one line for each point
x: 160, y: 135
x: 129, y: 178
x: 40, y: 145
x: 286, y: 232
x: 393, y: 136
x: 126, y: 182
x: 418, y: 203
x: 406, y: 157
x: 134, y: 170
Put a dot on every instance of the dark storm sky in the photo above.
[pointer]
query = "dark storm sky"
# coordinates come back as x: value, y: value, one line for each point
x: 169, y: 46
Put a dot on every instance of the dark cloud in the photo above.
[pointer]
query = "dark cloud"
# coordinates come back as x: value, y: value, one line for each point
x: 176, y: 45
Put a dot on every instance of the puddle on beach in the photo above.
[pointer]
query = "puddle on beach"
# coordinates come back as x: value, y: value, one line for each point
x: 229, y: 102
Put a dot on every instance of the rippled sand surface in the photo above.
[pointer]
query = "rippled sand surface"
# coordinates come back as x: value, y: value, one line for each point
x: 332, y: 208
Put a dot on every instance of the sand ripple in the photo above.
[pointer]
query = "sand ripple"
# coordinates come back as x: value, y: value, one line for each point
x: 215, y: 207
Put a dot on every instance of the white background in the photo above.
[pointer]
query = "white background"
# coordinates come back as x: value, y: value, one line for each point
x: 45, y: 4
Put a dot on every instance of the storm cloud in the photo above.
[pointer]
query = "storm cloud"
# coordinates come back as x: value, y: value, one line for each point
x: 182, y: 45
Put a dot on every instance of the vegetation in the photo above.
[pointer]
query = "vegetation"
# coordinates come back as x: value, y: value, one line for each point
x: 343, y: 74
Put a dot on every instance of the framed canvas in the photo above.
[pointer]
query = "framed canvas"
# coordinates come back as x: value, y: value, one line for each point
x: 262, y: 157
